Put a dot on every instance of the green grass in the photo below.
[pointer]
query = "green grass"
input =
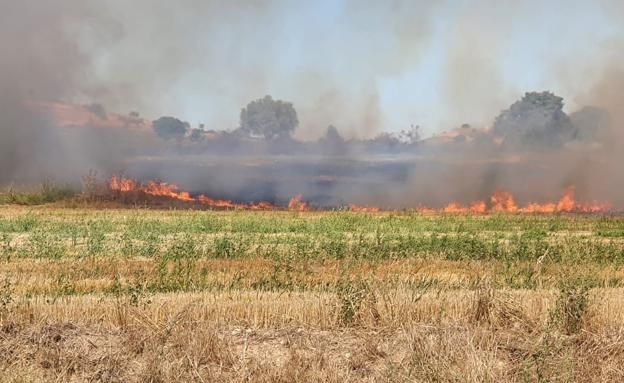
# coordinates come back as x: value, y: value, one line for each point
x: 176, y: 244
x: 518, y: 287
x: 46, y: 193
x: 336, y: 235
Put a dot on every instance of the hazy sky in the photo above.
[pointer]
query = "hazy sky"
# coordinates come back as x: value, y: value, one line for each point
x: 364, y: 66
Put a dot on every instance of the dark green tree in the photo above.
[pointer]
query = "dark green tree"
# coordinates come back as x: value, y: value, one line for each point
x: 537, y: 120
x: 170, y: 128
x: 268, y: 118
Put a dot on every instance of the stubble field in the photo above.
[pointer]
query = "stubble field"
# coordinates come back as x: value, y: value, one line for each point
x: 138, y: 295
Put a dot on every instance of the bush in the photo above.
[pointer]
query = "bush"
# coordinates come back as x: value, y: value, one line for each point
x: 570, y: 310
x: 48, y: 192
x: 355, y: 297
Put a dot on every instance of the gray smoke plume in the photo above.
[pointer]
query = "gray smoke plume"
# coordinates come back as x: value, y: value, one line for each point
x: 38, y: 63
x: 43, y: 68
x: 116, y: 56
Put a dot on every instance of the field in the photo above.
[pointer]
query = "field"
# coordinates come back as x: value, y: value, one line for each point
x: 139, y: 295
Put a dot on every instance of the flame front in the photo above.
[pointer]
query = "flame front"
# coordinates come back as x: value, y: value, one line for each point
x: 296, y: 203
x: 478, y: 207
x: 122, y: 184
x: 503, y: 202
x: 171, y: 191
x: 364, y: 209
x: 500, y: 201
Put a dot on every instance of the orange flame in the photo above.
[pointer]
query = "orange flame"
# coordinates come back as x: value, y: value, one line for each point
x: 296, y: 203
x: 567, y: 204
x: 364, y: 209
x: 122, y: 184
x: 503, y: 202
x: 500, y: 202
x: 170, y: 191
x: 478, y: 207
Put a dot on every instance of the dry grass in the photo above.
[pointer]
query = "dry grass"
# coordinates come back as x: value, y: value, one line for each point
x: 110, y: 316
x: 468, y: 336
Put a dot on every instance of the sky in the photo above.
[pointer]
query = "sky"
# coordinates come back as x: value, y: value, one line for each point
x: 363, y: 66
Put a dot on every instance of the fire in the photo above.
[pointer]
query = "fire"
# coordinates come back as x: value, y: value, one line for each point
x: 478, y: 207
x: 455, y: 207
x: 503, y: 202
x: 296, y: 203
x: 566, y: 204
x: 163, y: 189
x: 122, y: 184
x: 364, y: 209
x: 500, y: 201
x: 171, y: 191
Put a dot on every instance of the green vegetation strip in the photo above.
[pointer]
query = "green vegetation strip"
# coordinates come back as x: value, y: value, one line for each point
x: 515, y: 250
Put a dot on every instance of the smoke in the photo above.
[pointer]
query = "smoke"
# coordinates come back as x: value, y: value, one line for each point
x: 97, y: 109
x: 42, y: 62
x: 370, y: 69
x: 44, y: 67
x: 38, y: 62
x: 212, y: 57
x: 603, y: 170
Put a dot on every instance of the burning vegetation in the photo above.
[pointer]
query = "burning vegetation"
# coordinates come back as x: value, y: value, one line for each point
x: 468, y: 170
x: 503, y: 202
x: 533, y: 148
x: 126, y: 189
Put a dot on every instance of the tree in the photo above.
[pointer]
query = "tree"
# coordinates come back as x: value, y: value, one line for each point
x: 97, y: 109
x: 170, y: 128
x: 332, y: 136
x: 537, y: 120
x: 196, y: 135
x: 333, y: 143
x: 268, y: 118
x: 410, y: 136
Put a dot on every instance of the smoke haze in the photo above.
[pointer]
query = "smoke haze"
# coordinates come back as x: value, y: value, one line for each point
x: 73, y: 73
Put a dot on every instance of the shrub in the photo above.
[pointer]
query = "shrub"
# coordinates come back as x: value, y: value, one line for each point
x: 570, y: 310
